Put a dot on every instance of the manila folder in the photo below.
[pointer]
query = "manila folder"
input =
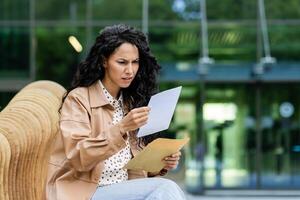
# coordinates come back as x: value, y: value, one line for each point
x: 151, y: 157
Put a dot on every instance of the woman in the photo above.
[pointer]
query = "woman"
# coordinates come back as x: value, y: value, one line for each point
x: 100, y: 115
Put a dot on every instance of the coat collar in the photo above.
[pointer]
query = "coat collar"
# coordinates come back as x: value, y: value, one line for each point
x: 96, y: 96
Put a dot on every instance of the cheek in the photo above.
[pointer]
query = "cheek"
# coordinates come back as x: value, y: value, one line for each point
x: 116, y: 70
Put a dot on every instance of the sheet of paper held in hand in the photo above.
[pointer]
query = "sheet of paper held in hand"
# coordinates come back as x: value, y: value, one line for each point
x: 151, y: 157
x: 162, y: 108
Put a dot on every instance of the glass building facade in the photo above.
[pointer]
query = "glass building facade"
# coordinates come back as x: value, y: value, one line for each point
x: 244, y: 126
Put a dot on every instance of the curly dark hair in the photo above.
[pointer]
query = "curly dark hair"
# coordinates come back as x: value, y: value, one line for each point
x: 144, y: 84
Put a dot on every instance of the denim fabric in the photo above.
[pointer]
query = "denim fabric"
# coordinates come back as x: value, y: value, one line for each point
x: 140, y: 189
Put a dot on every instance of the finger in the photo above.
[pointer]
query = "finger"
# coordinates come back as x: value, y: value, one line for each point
x: 172, y: 159
x: 168, y: 158
x: 139, y: 115
x: 171, y: 166
x: 171, y: 163
x: 142, y: 120
x: 177, y: 154
x: 168, y: 168
x: 142, y: 109
x: 142, y: 124
x: 175, y: 157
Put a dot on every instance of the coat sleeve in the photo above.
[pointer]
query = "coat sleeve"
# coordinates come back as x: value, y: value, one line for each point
x: 82, y: 150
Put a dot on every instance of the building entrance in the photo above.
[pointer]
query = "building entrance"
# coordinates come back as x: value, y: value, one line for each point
x: 252, y: 136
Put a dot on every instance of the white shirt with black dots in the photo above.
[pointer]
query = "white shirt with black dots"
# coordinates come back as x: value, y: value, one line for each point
x: 112, y: 172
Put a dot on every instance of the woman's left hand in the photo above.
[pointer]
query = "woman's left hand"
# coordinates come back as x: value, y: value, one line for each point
x: 171, y: 161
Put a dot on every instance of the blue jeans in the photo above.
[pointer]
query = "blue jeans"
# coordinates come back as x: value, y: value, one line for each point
x: 140, y: 189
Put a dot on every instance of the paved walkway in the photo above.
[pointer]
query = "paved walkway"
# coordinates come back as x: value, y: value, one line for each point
x: 190, y: 197
x: 247, y: 195
x: 237, y: 194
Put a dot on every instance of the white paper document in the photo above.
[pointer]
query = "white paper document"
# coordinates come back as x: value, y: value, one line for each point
x: 162, y: 108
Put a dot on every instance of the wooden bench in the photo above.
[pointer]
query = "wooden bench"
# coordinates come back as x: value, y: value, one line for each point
x: 28, y: 125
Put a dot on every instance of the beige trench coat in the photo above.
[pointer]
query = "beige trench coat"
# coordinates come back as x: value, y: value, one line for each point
x: 87, y: 137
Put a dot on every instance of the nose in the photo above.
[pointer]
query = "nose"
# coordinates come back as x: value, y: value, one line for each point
x: 129, y: 69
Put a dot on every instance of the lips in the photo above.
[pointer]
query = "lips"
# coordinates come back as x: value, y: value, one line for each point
x: 127, y: 78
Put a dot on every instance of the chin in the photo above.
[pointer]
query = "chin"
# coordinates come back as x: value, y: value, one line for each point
x: 125, y: 85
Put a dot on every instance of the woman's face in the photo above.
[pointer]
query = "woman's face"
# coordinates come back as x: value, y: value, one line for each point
x: 121, y: 67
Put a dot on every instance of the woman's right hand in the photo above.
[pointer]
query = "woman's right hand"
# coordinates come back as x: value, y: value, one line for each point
x: 136, y: 118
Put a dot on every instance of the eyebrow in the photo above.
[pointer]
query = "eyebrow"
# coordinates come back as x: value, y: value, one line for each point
x: 127, y: 59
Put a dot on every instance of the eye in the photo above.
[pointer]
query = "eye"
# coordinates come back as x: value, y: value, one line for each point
x: 122, y: 62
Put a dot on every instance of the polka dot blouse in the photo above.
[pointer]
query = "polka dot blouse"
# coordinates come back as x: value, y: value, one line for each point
x: 112, y: 171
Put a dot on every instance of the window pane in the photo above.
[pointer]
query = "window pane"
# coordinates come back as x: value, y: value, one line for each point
x: 229, y: 119
x: 14, y: 52
x: 278, y: 9
x: 231, y: 9
x: 14, y: 9
x: 232, y: 42
x: 61, y: 10
x: 56, y: 57
x: 168, y: 10
x: 280, y: 136
x: 174, y: 43
x: 117, y: 10
x: 285, y: 41
x: 5, y: 97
